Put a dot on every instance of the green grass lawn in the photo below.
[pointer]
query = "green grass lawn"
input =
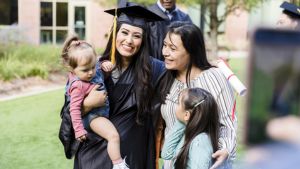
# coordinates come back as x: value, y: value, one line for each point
x: 29, y: 138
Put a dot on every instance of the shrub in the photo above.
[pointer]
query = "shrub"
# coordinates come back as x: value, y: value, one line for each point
x: 21, y: 61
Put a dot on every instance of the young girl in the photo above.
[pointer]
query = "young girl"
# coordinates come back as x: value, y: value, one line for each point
x: 194, y: 138
x: 80, y: 58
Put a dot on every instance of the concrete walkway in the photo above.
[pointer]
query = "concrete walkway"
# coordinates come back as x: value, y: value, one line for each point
x: 30, y: 92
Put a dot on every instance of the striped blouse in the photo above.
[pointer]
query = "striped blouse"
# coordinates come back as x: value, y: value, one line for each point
x: 214, y: 82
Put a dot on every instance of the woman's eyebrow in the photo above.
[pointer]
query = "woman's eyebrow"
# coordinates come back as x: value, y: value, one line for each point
x: 125, y: 29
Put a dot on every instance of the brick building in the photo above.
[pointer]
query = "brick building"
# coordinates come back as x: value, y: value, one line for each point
x: 49, y: 21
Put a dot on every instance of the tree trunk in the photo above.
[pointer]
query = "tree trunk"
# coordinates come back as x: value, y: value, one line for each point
x: 202, y: 17
x: 213, y: 29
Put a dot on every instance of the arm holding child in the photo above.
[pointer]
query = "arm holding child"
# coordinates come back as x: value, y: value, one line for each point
x: 97, y: 98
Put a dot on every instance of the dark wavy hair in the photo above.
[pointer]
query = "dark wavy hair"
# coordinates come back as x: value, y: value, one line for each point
x: 204, y: 118
x: 142, y: 66
x: 193, y: 42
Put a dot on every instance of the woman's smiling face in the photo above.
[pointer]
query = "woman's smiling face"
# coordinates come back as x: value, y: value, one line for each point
x: 176, y: 56
x: 129, y: 40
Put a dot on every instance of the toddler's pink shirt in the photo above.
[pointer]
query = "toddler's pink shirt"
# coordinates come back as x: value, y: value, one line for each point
x: 78, y: 91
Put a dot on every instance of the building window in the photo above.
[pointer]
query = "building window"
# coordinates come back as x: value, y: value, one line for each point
x: 46, y: 36
x: 80, y: 21
x: 54, y: 21
x: 46, y: 14
x: 8, y: 12
x: 60, y: 36
x: 61, y: 14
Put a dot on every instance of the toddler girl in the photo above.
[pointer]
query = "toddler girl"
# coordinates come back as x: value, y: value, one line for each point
x: 81, y: 60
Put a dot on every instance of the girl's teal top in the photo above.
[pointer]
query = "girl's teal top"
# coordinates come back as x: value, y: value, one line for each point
x: 200, y: 149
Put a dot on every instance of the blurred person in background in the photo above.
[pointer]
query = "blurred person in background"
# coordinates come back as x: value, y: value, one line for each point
x: 290, y: 16
x: 285, y: 128
x: 283, y: 152
x: 281, y: 149
x: 170, y: 12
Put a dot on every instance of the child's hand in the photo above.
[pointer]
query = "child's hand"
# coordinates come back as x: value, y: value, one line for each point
x: 82, y: 138
x: 107, y: 66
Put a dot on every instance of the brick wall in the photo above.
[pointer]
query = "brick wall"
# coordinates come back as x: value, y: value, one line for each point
x: 99, y: 25
x: 236, y: 26
x: 29, y: 20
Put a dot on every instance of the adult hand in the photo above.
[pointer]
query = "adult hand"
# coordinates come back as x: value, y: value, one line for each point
x: 94, y: 99
x: 285, y: 129
x: 220, y: 156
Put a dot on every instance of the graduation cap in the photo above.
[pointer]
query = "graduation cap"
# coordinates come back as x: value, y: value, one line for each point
x: 291, y: 9
x: 132, y: 14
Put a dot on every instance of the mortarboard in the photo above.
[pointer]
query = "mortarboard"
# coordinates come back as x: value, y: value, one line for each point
x: 291, y: 9
x: 134, y: 14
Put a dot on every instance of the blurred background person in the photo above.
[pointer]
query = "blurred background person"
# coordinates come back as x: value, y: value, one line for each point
x: 283, y: 152
x: 273, y: 124
x: 170, y: 12
x: 290, y: 16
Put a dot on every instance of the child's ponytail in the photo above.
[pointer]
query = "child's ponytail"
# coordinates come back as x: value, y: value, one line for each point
x: 66, y: 46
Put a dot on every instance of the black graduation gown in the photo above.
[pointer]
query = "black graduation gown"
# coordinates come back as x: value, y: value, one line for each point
x: 137, y: 141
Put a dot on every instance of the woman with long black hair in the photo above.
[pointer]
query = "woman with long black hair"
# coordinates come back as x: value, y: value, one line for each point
x: 187, y: 67
x: 130, y: 87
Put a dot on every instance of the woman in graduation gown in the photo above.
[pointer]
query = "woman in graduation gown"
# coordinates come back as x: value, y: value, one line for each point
x: 130, y: 89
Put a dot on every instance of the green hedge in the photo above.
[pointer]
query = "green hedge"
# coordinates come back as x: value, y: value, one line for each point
x: 21, y: 61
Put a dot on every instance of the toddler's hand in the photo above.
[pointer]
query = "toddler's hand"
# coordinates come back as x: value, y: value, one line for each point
x: 107, y: 66
x: 82, y: 138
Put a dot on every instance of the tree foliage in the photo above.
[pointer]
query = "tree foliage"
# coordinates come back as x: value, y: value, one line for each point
x: 211, y: 10
x: 230, y: 5
x: 215, y: 19
x: 297, y: 2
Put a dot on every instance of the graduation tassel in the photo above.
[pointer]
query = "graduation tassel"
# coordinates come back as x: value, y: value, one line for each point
x: 113, y: 48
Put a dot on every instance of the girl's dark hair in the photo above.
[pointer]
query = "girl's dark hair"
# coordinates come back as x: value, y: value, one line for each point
x: 204, y: 118
x: 142, y: 67
x: 193, y: 42
x: 71, y: 45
